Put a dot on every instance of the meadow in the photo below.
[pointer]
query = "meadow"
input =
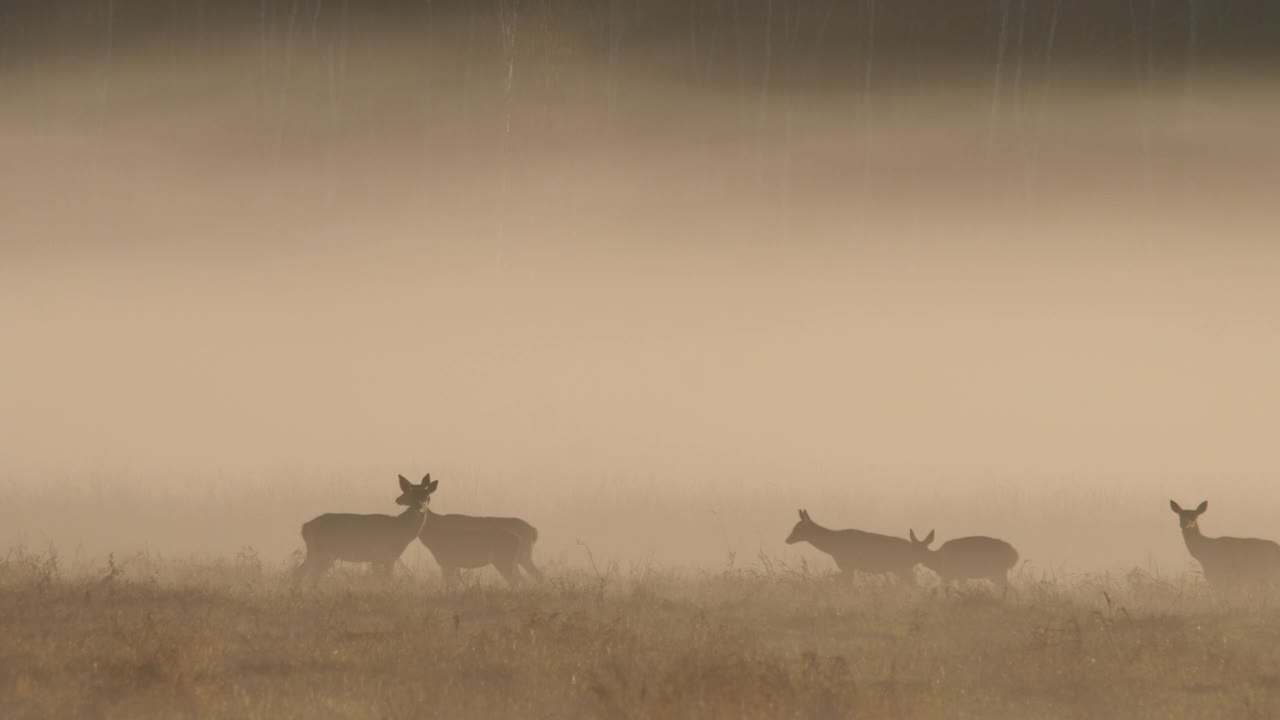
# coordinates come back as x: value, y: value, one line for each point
x: 143, y: 636
x: 653, y: 276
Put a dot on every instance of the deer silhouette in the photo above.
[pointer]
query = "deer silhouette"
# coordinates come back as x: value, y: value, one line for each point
x: 968, y: 558
x: 856, y: 550
x: 1228, y: 561
x: 466, y: 541
x: 376, y: 539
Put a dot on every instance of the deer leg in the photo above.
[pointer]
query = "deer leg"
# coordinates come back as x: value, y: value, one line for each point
x: 1001, y: 581
x: 507, y: 569
x: 303, y: 571
x: 449, y: 575
x: 526, y: 561
x: 314, y: 567
x: 308, y: 566
x: 847, y: 574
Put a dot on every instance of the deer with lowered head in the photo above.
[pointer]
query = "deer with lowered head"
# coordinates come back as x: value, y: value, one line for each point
x: 968, y: 558
x: 376, y: 539
x: 856, y: 550
x: 1228, y: 561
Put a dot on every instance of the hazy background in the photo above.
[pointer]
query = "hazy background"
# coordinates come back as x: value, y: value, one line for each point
x: 650, y: 275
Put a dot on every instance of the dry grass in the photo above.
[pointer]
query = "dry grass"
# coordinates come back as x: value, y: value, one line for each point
x: 231, y: 638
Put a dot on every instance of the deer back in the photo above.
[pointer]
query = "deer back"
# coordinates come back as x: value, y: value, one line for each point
x: 468, y: 545
x: 867, y: 551
x: 972, y: 556
x: 522, y: 530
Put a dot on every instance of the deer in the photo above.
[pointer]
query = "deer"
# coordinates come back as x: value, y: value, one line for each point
x: 379, y: 540
x: 465, y: 541
x: 461, y: 548
x: 1228, y: 561
x: 976, y: 557
x: 856, y: 550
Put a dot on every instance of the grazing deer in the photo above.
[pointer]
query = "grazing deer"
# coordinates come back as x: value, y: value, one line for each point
x: 466, y: 541
x: 1228, y: 560
x: 855, y: 550
x: 967, y: 558
x: 376, y: 539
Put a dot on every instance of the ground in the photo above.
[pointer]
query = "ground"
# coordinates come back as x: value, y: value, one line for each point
x: 143, y: 637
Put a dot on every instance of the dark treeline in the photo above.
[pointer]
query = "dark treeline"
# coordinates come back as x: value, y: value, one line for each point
x: 1164, y: 35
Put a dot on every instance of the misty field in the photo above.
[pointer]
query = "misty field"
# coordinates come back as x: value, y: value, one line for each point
x: 143, y: 637
x: 651, y: 276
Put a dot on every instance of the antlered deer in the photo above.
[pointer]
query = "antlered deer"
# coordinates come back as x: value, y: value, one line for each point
x: 967, y: 558
x: 1228, y: 561
x: 465, y: 541
x: 376, y: 539
x: 855, y: 550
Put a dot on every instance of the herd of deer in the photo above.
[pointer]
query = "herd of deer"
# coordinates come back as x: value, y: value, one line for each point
x: 459, y: 542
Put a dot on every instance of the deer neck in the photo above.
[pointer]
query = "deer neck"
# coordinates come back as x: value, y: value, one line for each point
x: 1194, y: 539
x: 427, y: 518
x: 412, y: 520
x: 823, y: 538
x: 924, y: 556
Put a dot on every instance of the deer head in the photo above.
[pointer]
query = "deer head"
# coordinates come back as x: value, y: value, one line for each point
x: 803, y: 529
x: 417, y: 496
x: 920, y: 546
x: 1187, y: 519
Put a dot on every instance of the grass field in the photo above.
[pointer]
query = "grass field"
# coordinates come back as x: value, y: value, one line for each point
x: 146, y: 637
x: 653, y: 276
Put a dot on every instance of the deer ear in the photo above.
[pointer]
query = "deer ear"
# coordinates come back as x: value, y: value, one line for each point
x: 912, y: 534
x: 432, y: 487
x: 802, y: 515
x: 405, y: 485
x: 928, y: 538
x: 1203, y: 506
x: 426, y: 479
x: 1175, y: 506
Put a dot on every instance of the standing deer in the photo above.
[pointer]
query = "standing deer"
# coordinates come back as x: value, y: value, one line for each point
x: 376, y: 539
x: 967, y: 558
x: 855, y: 550
x: 461, y: 548
x: 465, y: 541
x: 1228, y: 561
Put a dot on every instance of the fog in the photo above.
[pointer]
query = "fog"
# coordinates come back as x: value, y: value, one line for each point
x: 652, y: 302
